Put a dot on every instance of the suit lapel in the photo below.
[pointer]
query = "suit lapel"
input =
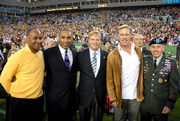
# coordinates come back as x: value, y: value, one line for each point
x: 89, y: 62
x: 59, y: 57
x: 74, y: 57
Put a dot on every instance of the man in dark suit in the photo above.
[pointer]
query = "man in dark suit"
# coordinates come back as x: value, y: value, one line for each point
x: 160, y: 83
x: 138, y: 41
x: 92, y: 86
x: 61, y: 74
x: 178, y: 52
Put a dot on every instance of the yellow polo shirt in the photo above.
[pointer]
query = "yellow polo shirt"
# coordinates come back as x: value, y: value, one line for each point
x: 28, y: 69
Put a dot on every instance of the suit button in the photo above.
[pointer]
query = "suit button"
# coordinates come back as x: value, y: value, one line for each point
x: 152, y: 90
x: 152, y: 79
x: 152, y: 85
x: 153, y: 74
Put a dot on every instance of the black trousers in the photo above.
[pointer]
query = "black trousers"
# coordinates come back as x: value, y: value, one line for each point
x: 147, y: 116
x: 95, y: 107
x: 61, y: 114
x: 7, y: 108
x: 25, y: 109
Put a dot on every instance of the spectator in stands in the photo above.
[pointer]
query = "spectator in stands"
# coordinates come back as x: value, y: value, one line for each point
x: 12, y: 51
x: 143, y: 20
x: 25, y: 70
x: 92, y: 85
x: 168, y: 54
x: 107, y: 46
x: 124, y: 76
x: 138, y: 41
x: 48, y: 43
x: 61, y: 71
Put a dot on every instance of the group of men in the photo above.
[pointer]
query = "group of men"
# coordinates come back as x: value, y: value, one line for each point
x: 128, y: 73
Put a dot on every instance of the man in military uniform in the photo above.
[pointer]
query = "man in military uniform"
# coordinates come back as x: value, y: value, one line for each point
x: 160, y: 83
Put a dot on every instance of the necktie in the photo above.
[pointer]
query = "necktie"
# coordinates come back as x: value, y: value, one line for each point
x: 94, y: 63
x: 66, y: 60
x: 1, y: 55
x: 155, y: 65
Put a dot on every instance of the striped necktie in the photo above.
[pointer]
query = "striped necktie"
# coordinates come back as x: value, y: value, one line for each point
x: 66, y: 60
x: 94, y: 63
x: 1, y: 55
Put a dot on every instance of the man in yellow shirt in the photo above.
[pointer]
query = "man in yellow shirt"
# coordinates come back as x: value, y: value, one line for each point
x: 22, y: 78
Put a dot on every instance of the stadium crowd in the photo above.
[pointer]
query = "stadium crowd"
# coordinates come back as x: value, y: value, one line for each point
x: 150, y: 22
x: 121, y: 70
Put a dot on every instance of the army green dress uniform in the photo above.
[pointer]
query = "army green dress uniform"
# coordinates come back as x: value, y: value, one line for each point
x: 160, y: 88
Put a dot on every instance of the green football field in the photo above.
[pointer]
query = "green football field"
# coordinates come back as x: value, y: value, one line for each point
x: 173, y: 116
x: 171, y: 49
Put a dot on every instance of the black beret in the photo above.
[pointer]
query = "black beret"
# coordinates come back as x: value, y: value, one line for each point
x: 156, y: 41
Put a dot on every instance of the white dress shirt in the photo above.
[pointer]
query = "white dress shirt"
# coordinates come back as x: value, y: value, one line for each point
x: 130, y: 72
x: 98, y: 52
x: 69, y: 53
x: 158, y: 59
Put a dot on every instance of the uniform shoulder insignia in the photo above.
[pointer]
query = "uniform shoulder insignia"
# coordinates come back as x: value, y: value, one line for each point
x: 146, y: 56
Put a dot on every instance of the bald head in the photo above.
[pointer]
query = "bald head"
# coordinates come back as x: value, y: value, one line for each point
x: 65, y: 38
x: 34, y: 39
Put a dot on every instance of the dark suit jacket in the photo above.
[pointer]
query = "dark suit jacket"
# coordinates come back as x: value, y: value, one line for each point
x: 60, y: 82
x: 178, y: 53
x: 88, y: 82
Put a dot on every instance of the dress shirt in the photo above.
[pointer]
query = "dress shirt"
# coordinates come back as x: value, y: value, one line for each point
x: 158, y: 59
x: 130, y: 72
x: 69, y: 53
x: 98, y: 56
x: 28, y: 69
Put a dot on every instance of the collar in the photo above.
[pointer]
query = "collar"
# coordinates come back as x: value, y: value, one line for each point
x: 91, y: 51
x: 158, y: 59
x: 120, y: 48
x: 28, y: 49
x: 62, y: 49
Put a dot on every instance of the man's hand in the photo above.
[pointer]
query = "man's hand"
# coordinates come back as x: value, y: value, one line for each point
x: 14, y: 79
x: 166, y: 110
x: 115, y: 104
